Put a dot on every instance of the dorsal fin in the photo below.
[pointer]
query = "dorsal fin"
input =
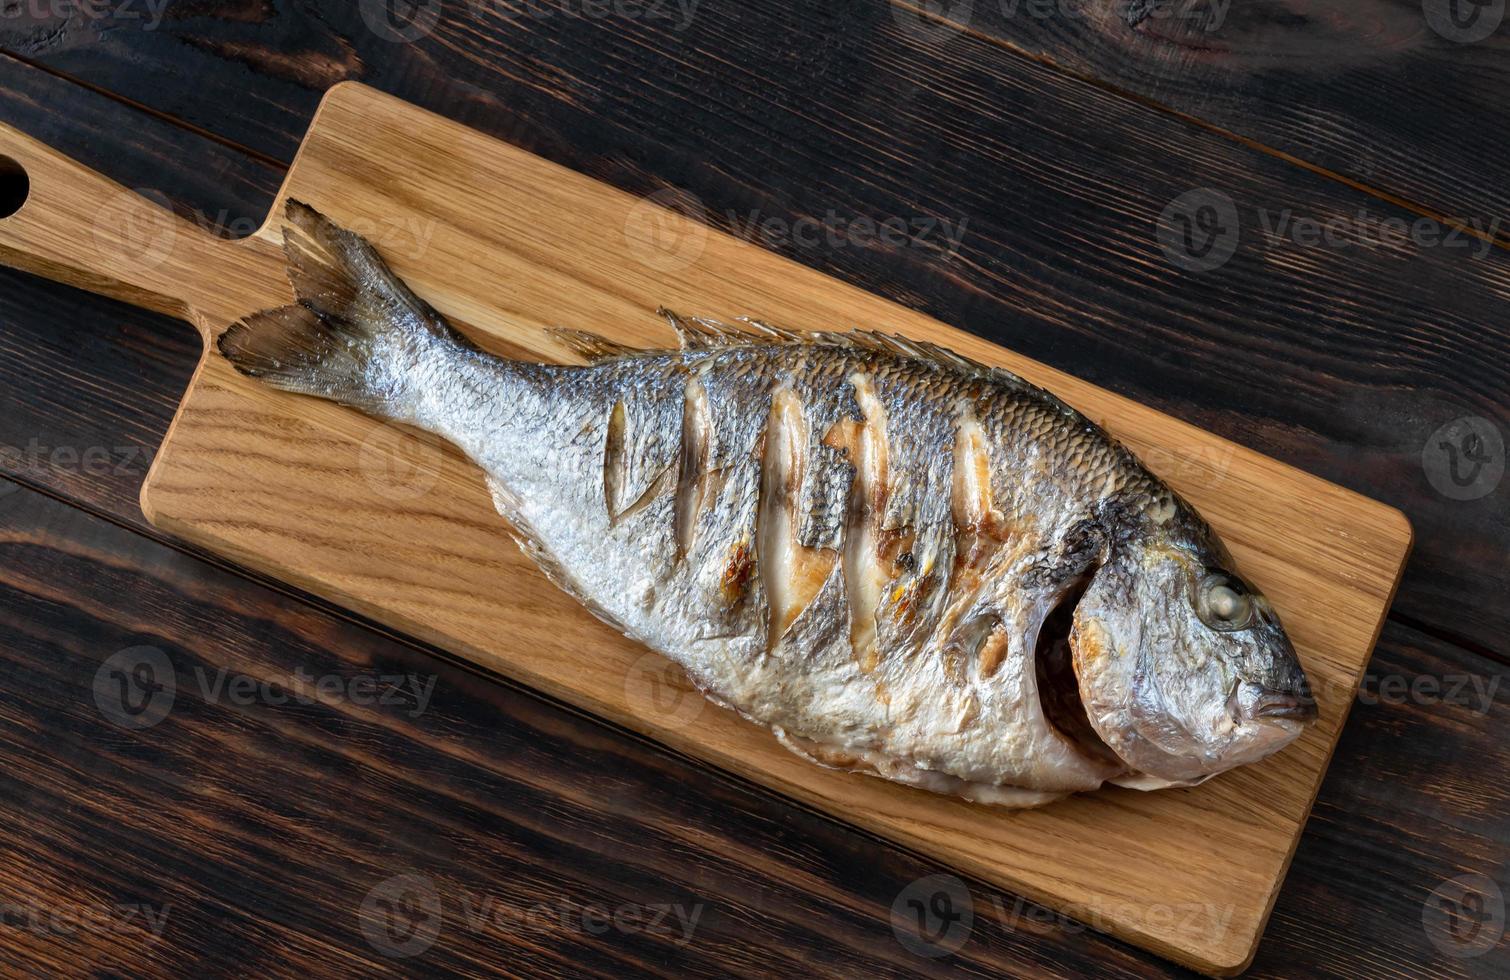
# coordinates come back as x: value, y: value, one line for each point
x: 761, y: 330
x: 704, y: 333
x: 698, y: 332
x: 701, y: 332
x: 892, y: 343
x: 594, y: 347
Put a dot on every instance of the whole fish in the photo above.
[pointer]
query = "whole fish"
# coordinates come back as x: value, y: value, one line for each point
x: 901, y: 562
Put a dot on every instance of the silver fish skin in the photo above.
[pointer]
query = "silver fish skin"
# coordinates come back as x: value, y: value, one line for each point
x: 901, y: 562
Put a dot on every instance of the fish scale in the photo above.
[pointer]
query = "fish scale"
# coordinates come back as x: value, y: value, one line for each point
x: 901, y: 562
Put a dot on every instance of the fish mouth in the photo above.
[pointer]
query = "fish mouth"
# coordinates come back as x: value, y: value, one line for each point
x: 1289, y: 708
x: 1059, y: 688
x: 1257, y: 703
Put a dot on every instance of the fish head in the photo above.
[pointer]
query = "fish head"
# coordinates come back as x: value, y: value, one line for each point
x: 1183, y: 668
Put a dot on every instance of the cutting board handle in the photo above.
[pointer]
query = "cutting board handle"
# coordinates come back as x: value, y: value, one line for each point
x: 61, y: 220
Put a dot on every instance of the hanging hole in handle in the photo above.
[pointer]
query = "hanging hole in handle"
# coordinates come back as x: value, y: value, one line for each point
x: 15, y: 185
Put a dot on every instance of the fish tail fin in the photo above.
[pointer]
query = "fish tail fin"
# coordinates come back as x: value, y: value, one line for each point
x: 347, y: 337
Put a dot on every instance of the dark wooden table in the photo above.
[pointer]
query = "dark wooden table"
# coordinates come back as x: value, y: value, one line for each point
x: 1357, y: 151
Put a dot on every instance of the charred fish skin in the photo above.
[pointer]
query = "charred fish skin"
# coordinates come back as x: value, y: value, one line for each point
x: 852, y: 539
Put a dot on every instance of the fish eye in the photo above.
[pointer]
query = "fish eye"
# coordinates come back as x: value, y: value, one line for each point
x: 1223, y: 602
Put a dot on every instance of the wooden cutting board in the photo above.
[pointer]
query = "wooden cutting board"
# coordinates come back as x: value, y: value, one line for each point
x: 399, y: 527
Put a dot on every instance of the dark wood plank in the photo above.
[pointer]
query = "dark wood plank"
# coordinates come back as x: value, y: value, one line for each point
x: 87, y: 389
x: 259, y: 827
x: 1346, y: 361
x: 1334, y: 83
x: 223, y: 189
x: 1413, y: 800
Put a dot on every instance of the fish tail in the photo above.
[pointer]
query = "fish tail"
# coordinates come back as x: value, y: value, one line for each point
x: 355, y: 326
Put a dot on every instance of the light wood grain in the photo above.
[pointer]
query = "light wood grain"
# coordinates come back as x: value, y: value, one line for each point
x: 79, y: 228
x: 400, y: 528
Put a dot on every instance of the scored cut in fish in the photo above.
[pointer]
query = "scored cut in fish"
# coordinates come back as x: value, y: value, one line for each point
x: 902, y: 562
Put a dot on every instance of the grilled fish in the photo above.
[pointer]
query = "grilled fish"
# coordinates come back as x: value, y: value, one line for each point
x: 901, y: 562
